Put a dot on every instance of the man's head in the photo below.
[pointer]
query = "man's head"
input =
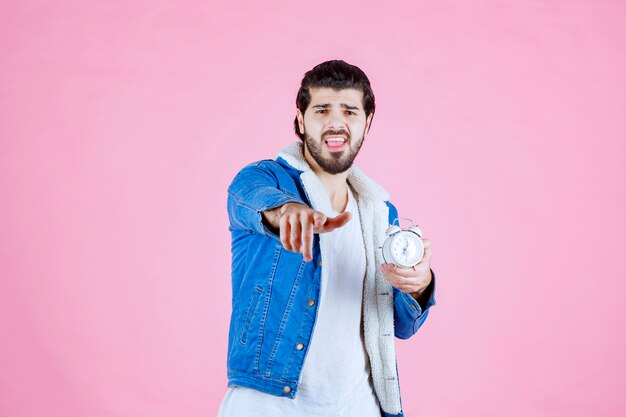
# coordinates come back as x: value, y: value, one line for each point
x: 335, y: 107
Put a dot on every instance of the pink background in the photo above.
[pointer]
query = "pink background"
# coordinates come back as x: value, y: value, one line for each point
x: 123, y: 123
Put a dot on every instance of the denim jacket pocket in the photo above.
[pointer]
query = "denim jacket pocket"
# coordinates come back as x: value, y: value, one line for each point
x: 250, y: 311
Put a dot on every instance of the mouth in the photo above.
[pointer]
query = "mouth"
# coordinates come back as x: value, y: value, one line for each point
x: 335, y: 143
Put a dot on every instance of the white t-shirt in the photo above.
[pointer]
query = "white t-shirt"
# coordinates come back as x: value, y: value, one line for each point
x: 335, y: 380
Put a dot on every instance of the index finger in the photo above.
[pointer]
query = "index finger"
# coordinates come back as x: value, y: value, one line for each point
x: 307, y: 238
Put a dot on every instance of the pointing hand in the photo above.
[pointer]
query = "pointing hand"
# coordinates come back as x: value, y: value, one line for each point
x: 297, y: 224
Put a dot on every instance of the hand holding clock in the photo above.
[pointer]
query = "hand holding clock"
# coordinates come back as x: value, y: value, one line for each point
x: 413, y: 280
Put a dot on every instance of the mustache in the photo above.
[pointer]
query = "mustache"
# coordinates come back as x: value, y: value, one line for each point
x: 336, y: 132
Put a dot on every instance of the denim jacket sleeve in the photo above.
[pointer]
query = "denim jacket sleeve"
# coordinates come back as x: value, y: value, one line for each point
x: 254, y: 190
x: 409, y: 315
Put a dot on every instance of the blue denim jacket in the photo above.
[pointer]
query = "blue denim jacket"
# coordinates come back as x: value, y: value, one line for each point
x: 275, y: 292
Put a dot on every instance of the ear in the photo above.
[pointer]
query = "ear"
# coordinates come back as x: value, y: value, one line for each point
x: 300, y: 117
x: 368, y: 122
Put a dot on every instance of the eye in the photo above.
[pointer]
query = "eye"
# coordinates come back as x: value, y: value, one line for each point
x: 350, y: 112
x: 321, y: 111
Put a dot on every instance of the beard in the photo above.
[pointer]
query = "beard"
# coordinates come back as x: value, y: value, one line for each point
x: 336, y: 162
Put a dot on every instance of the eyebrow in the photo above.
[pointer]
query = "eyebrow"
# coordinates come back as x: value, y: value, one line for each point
x: 345, y: 106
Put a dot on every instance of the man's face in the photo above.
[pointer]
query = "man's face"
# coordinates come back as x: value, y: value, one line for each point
x: 334, y: 126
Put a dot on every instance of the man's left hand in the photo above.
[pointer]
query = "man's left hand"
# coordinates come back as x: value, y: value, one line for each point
x: 412, y: 280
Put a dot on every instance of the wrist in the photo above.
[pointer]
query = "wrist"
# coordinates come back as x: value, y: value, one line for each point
x: 272, y: 216
x: 417, y: 294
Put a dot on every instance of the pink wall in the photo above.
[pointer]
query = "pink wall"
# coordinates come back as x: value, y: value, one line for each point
x: 122, y: 125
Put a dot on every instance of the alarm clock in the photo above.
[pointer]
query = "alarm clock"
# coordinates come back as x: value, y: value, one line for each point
x: 403, y: 247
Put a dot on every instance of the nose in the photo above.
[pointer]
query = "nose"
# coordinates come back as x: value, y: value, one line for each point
x: 336, y: 122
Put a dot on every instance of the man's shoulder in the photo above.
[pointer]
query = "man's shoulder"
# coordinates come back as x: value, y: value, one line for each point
x: 264, y: 170
x: 267, y: 165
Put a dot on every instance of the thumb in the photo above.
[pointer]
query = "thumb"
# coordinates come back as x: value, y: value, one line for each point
x: 338, y: 221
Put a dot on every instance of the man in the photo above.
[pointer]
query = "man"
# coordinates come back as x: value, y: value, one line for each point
x: 315, y: 308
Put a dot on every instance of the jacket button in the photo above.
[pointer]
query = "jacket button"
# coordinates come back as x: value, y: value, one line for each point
x: 299, y: 346
x: 287, y: 389
x: 310, y: 303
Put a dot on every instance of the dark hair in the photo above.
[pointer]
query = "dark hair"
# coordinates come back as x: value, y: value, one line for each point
x: 335, y: 74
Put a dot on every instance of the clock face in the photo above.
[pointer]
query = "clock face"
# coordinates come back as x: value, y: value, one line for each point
x: 407, y: 248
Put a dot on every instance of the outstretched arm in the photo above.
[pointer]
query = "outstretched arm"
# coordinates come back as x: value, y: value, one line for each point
x: 256, y: 204
x: 253, y: 191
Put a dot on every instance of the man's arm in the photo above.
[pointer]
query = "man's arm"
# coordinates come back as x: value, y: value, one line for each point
x: 410, y: 309
x: 253, y: 191
x: 409, y: 314
x: 256, y: 204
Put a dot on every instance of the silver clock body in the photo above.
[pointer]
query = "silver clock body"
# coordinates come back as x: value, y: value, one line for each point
x: 403, y: 248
